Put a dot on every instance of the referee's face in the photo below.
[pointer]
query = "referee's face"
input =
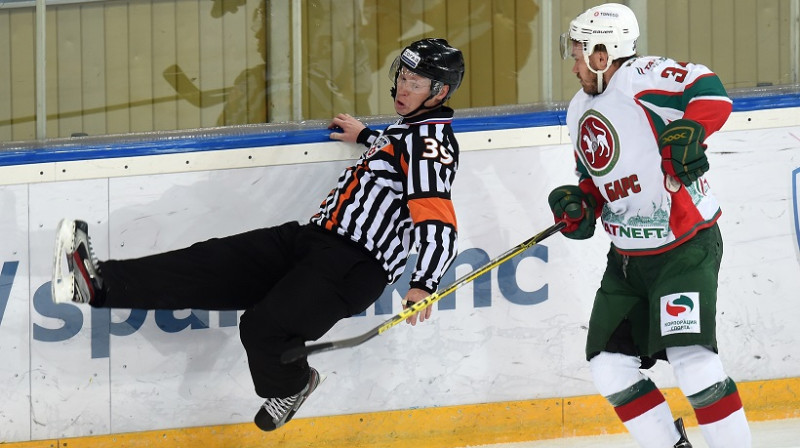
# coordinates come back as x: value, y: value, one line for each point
x: 412, y: 91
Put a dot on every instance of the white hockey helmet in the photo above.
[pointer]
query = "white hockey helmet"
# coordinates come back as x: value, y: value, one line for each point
x: 611, y: 24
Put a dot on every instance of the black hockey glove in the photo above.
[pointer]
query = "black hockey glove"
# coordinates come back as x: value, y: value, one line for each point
x: 683, y: 153
x: 571, y: 205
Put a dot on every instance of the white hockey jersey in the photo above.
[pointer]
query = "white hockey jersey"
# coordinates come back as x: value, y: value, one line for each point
x: 614, y: 136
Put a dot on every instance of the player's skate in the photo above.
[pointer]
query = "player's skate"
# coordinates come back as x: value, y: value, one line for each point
x: 80, y: 281
x: 275, y: 412
x: 684, y: 441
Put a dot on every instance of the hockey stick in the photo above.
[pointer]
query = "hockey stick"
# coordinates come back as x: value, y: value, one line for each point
x: 296, y: 353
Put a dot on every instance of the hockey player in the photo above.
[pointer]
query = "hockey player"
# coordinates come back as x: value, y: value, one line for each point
x: 638, y: 126
x: 295, y: 281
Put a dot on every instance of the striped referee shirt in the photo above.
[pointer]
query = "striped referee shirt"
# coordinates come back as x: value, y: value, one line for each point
x: 398, y: 194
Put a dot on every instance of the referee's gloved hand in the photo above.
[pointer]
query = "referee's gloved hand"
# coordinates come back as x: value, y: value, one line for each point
x: 570, y: 204
x: 683, y: 153
x: 412, y: 296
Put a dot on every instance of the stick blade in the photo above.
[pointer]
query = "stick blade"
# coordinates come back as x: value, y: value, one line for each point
x: 294, y: 354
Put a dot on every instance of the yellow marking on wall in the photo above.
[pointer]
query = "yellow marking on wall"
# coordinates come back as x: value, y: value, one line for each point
x: 442, y: 427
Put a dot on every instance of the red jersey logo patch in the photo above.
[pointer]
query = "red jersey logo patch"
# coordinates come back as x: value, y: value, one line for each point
x: 379, y: 144
x: 598, y: 144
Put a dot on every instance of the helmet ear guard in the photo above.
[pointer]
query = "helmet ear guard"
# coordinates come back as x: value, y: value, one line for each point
x: 436, y: 87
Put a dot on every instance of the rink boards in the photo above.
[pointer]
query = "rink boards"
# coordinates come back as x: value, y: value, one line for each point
x: 507, y: 349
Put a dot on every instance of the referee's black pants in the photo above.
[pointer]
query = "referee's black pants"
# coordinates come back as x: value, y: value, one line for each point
x: 294, y: 283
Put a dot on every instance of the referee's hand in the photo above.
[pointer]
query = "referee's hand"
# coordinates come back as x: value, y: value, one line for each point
x: 345, y: 128
x: 415, y: 295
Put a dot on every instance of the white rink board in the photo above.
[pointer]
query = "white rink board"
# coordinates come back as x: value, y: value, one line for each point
x: 515, y: 334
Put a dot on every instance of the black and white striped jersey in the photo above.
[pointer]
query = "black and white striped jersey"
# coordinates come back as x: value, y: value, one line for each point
x: 398, y: 194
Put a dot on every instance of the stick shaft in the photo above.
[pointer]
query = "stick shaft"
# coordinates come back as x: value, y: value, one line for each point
x: 436, y: 296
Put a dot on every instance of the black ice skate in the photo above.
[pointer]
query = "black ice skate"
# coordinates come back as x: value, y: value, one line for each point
x: 683, y: 442
x: 81, y: 281
x: 275, y: 412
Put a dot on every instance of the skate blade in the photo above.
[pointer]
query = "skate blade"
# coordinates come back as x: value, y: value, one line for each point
x: 62, y: 285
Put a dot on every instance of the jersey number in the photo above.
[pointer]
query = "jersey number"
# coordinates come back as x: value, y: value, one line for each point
x: 435, y: 150
x: 678, y: 73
